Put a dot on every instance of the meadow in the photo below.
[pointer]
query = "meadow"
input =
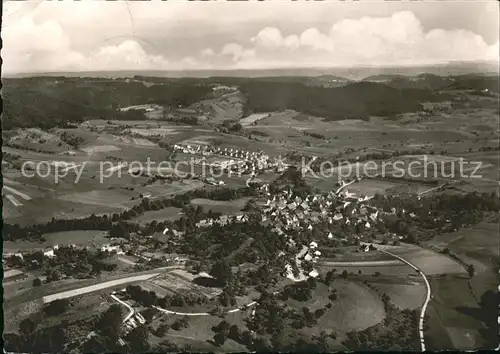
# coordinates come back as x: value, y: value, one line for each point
x: 170, y: 213
x: 223, y: 207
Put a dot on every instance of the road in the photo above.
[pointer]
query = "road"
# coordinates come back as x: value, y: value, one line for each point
x: 13, y: 200
x: 130, y: 308
x: 345, y: 186
x: 202, y: 313
x: 121, y: 280
x: 361, y: 263
x: 426, y: 302
x: 96, y: 287
x: 15, y: 191
x: 432, y: 189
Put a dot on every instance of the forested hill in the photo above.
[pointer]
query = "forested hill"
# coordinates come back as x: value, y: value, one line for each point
x: 49, y: 101
x: 357, y: 100
x: 46, y: 102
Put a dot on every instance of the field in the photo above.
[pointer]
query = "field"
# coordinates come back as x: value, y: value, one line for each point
x: 357, y: 305
x: 477, y: 244
x: 253, y: 118
x: 199, y: 335
x: 170, y: 213
x: 83, y: 307
x: 370, y: 187
x: 223, y: 207
x: 454, y: 308
x: 430, y: 262
x: 369, y: 263
x: 176, y: 284
x: 404, y: 296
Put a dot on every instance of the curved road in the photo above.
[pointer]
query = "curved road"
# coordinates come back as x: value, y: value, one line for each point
x: 426, y: 302
x: 422, y: 313
x: 130, y: 308
x: 202, y: 313
x: 360, y: 263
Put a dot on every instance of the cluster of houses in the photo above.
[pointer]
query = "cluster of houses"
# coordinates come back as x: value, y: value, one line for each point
x: 222, y: 220
x: 208, y: 150
x: 222, y: 89
x: 258, y: 159
x: 287, y: 211
x: 50, y: 252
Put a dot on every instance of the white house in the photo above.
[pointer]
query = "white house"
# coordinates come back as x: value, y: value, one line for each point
x: 313, y: 273
x: 110, y: 248
x: 49, y: 253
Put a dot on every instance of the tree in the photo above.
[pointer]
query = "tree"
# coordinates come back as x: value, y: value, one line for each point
x: 318, y: 313
x: 96, y: 344
x: 57, y: 307
x: 13, y: 342
x: 110, y: 322
x: 37, y: 282
x: 333, y: 295
x: 234, y: 333
x: 221, y: 271
x: 471, y: 270
x: 329, y: 277
x: 223, y: 327
x: 166, y: 347
x: 161, y: 331
x: 247, y: 338
x: 27, y: 326
x: 138, y: 339
x: 219, y: 339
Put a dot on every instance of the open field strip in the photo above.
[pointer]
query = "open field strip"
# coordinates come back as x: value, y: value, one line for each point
x: 253, y: 118
x: 117, y: 167
x: 97, y: 287
x: 15, y: 191
x: 13, y: 200
x: 100, y: 148
x: 125, y: 260
x: 426, y: 302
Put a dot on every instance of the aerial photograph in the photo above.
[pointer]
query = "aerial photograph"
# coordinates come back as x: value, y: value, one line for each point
x: 260, y: 176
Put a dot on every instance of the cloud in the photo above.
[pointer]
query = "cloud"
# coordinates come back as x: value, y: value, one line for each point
x: 393, y: 40
x: 47, y: 40
x: 29, y: 48
x: 32, y: 47
x: 237, y: 52
x: 127, y: 55
x: 208, y: 52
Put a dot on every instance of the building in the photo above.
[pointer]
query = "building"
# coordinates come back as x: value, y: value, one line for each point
x: 109, y: 248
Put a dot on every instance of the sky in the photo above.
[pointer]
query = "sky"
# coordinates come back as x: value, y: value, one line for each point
x: 94, y: 35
